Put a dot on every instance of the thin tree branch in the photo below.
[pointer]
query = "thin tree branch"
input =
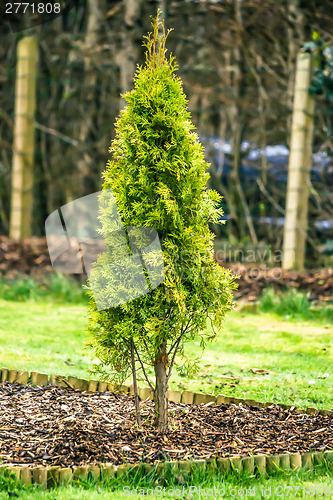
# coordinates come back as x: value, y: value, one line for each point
x: 269, y: 197
x: 135, y: 386
x: 143, y: 369
x: 173, y: 345
x: 174, y: 356
x: 57, y: 134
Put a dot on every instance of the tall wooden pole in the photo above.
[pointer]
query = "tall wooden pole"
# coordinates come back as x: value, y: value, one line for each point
x: 24, y: 146
x: 300, y: 158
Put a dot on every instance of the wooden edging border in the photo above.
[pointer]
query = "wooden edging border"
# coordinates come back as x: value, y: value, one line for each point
x: 52, y: 476
x: 185, y: 397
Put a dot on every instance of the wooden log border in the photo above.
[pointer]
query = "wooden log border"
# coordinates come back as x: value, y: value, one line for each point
x: 53, y: 476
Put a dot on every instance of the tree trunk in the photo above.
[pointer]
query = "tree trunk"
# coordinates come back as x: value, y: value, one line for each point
x: 160, y: 394
x: 96, y: 11
x: 300, y: 157
x: 295, y: 38
x: 237, y: 127
x: 24, y: 139
x: 127, y: 58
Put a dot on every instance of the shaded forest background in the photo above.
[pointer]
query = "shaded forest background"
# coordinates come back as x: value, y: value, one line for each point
x: 236, y: 60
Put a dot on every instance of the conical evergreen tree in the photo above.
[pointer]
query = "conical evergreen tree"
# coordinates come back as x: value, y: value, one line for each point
x: 158, y: 176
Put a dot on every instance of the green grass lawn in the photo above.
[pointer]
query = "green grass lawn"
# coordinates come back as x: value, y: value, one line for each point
x: 297, y: 354
x: 316, y: 483
x: 295, y: 349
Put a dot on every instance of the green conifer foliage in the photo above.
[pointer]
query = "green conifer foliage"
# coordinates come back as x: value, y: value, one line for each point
x: 158, y: 176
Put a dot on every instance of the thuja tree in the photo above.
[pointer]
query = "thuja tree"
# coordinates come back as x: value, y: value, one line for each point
x: 158, y: 176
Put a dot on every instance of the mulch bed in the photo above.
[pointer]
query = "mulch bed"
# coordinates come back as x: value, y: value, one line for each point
x: 30, y: 257
x: 57, y: 426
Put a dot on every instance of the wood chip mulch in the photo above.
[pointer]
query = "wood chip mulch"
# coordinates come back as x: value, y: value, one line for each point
x: 56, y: 426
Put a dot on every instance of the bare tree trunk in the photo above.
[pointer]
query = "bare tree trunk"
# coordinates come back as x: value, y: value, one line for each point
x: 160, y: 393
x: 236, y: 127
x: 236, y: 146
x: 135, y: 387
x: 127, y: 57
x: 217, y: 173
x: 296, y: 219
x: 96, y: 13
x: 24, y: 139
x: 295, y: 37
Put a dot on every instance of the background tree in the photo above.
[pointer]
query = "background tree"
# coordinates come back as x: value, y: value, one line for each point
x: 158, y: 177
x: 24, y: 139
x: 235, y: 57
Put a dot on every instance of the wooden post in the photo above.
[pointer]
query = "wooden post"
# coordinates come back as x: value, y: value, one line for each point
x: 23, y: 155
x: 300, y: 159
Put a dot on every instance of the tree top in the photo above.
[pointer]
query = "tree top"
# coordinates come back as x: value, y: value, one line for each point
x: 155, y: 43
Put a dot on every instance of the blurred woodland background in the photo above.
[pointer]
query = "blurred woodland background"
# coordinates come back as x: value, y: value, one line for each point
x: 237, y: 62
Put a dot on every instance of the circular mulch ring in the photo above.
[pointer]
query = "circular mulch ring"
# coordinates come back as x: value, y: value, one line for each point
x: 57, y: 426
